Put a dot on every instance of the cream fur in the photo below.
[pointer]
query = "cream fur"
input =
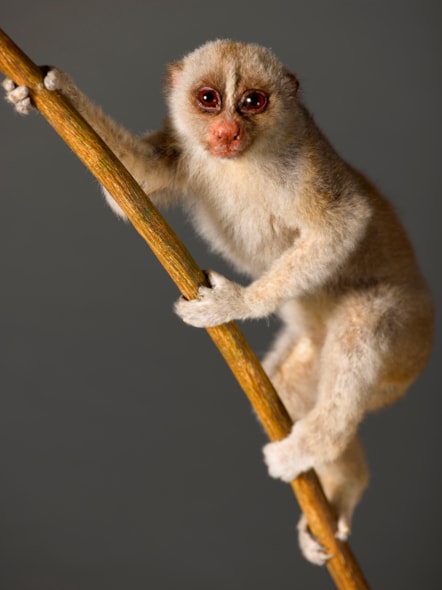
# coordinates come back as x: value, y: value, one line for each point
x: 323, y: 249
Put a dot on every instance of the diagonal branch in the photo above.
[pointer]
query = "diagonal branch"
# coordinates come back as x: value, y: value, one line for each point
x: 177, y: 261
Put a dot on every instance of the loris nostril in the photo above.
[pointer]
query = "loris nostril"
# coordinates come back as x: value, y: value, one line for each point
x: 226, y: 130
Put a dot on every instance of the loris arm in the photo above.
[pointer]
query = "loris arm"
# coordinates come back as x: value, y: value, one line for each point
x: 314, y: 259
x: 147, y: 158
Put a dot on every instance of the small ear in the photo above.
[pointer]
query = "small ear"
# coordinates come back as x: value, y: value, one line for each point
x: 173, y: 73
x: 293, y: 82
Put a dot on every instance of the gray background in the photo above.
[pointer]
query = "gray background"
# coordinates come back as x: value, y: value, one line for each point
x: 129, y: 457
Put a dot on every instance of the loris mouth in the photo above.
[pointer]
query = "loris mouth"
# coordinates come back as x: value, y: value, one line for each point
x: 225, y: 153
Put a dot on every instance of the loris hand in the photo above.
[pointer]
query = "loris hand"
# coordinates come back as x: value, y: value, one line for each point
x: 223, y: 302
x: 19, y: 96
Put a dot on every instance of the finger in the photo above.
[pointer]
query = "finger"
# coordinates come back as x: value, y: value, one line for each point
x: 8, y: 84
x: 17, y: 94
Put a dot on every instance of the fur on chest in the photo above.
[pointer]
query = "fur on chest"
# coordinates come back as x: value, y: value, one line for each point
x: 244, y: 215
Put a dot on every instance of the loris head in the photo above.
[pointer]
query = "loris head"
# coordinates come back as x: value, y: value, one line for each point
x: 228, y: 99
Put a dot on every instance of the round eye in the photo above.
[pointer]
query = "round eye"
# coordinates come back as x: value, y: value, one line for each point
x: 253, y: 101
x: 209, y: 99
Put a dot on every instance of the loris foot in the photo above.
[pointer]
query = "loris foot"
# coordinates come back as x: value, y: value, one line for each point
x: 310, y: 548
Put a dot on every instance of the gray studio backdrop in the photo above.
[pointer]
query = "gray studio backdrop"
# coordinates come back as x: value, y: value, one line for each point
x: 129, y: 457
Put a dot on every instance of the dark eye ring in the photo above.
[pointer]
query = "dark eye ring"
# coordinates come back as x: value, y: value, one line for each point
x: 209, y: 99
x: 253, y: 101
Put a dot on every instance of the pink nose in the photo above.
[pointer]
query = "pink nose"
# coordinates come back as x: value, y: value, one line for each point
x: 226, y: 132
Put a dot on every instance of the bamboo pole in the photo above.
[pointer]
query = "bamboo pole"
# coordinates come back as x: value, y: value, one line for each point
x: 178, y: 262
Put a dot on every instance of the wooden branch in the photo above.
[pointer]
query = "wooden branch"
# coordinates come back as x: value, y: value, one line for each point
x: 183, y: 270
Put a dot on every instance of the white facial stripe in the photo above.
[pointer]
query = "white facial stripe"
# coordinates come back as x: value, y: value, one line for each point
x: 231, y: 82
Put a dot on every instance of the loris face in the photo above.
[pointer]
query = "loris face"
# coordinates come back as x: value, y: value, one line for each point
x: 228, y: 98
x: 226, y: 135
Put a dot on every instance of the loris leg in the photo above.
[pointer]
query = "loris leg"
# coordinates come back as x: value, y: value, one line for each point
x: 349, y: 371
x: 344, y: 482
x: 293, y: 365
